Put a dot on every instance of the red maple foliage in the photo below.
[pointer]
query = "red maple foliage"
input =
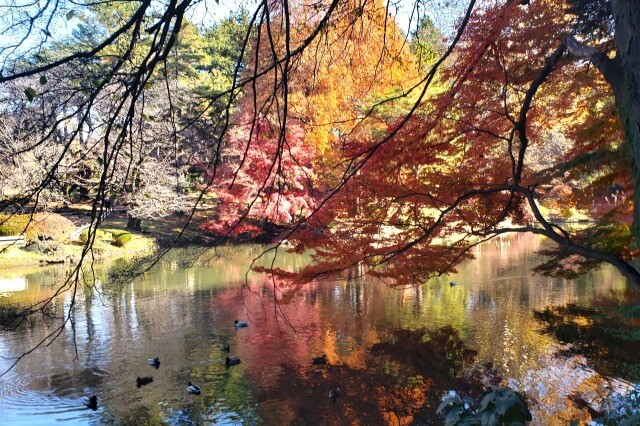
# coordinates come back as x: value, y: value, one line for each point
x: 263, y: 180
x: 414, y: 202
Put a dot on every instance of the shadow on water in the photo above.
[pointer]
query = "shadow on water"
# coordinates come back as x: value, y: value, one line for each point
x: 607, y: 335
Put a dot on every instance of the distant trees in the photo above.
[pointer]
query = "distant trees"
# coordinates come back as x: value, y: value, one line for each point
x: 426, y: 42
x: 88, y: 119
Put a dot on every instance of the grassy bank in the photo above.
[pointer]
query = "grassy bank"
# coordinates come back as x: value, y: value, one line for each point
x: 108, y: 244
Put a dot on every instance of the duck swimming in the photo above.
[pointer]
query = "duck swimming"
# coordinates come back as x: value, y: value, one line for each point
x: 319, y: 360
x: 193, y: 389
x: 90, y: 401
x: 225, y: 347
x: 142, y: 381
x: 334, y: 394
x: 233, y: 360
x: 240, y: 324
x: 453, y: 283
x: 154, y: 362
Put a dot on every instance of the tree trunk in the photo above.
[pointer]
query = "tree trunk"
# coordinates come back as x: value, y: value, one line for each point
x: 626, y: 14
x: 623, y: 75
x: 133, y: 223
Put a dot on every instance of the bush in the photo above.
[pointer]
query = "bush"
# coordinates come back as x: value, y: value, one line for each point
x: 121, y: 238
x: 13, y: 225
x: 49, y: 225
x: 502, y: 406
x: 84, y: 235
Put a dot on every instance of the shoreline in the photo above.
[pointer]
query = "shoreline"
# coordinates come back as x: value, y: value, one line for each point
x: 155, y: 235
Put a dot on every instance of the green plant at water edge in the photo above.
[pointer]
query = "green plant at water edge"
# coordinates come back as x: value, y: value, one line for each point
x: 120, y: 239
x: 501, y: 406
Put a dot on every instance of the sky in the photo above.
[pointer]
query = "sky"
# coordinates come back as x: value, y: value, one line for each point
x: 63, y: 19
x: 442, y: 12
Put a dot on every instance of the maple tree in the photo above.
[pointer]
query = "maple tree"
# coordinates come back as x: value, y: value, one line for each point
x: 289, y: 128
x: 267, y: 188
x: 457, y: 172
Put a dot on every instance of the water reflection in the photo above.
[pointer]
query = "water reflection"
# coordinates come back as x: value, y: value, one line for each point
x: 392, y: 352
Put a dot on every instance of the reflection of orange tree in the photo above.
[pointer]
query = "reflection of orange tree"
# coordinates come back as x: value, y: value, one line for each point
x: 403, y: 382
x: 396, y: 381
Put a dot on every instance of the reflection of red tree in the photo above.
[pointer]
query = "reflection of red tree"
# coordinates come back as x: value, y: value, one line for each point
x: 278, y: 335
x: 382, y: 383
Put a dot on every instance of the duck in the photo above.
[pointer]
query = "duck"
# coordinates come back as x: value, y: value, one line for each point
x: 233, y: 360
x: 334, y: 394
x: 319, y: 360
x: 90, y: 402
x: 225, y: 347
x: 240, y: 324
x: 142, y: 381
x: 193, y: 389
x: 453, y: 283
x: 154, y: 362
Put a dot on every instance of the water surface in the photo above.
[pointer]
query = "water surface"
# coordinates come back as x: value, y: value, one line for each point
x: 392, y: 352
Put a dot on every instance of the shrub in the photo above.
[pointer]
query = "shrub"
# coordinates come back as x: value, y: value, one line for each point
x: 84, y: 235
x: 121, y: 238
x: 13, y: 225
x: 51, y: 225
x: 502, y: 406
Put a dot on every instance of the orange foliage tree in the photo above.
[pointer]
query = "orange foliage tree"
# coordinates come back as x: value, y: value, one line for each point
x: 281, y: 152
x: 475, y: 161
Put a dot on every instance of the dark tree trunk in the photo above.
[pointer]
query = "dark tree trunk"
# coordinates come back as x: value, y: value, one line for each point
x: 626, y: 14
x: 623, y: 74
x: 133, y: 223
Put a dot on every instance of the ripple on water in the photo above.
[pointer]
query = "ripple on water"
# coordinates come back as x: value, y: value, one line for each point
x: 41, y: 407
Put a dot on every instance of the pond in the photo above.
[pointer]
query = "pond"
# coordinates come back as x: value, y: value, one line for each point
x: 393, y: 353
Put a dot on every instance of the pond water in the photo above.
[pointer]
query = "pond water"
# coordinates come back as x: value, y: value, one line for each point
x: 393, y: 353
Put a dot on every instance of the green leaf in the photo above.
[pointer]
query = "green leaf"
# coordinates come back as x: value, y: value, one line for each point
x: 488, y: 398
x: 447, y: 401
x: 70, y: 14
x: 633, y: 420
x: 43, y: 79
x: 503, y: 404
x: 491, y: 419
x: 444, y: 404
x: 454, y: 416
x: 30, y: 92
